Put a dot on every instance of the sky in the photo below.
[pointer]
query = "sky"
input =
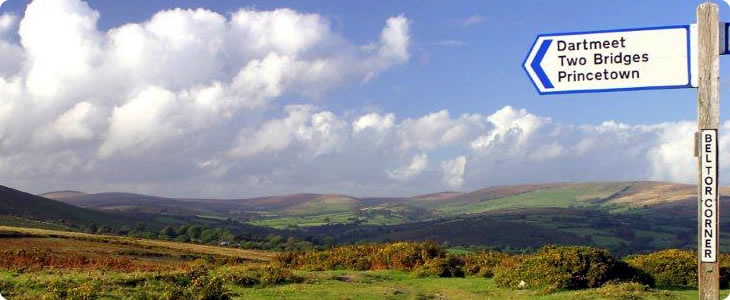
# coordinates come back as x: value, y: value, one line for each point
x: 231, y: 99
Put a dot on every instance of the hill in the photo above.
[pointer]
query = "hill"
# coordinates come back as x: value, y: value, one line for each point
x: 319, y: 209
x: 137, y: 203
x: 625, y: 217
x: 296, y: 204
x: 23, y: 205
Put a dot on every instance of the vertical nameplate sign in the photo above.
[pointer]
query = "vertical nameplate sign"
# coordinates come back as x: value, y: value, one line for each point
x: 709, y: 198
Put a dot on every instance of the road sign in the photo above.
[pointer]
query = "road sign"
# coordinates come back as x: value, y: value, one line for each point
x: 652, y: 58
x: 611, y: 60
x: 708, y: 196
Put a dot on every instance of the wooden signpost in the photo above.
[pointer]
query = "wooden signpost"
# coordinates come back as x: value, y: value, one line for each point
x: 708, y: 118
x: 685, y: 56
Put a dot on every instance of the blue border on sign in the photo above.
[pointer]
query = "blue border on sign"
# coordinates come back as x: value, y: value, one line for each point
x: 689, y: 62
x: 725, y: 47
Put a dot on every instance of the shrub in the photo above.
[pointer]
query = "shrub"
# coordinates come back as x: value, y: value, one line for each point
x: 59, y: 290
x: 482, y: 264
x: 56, y: 289
x: 406, y: 256
x: 398, y: 256
x: 195, y: 284
x: 669, y: 268
x: 449, y: 266
x: 555, y: 268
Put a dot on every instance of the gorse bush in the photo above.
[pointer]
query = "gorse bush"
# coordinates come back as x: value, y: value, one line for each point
x: 671, y: 267
x: 677, y: 268
x: 195, y: 284
x: 449, y: 266
x: 482, y: 264
x: 404, y: 256
x: 59, y: 290
x: 564, y: 268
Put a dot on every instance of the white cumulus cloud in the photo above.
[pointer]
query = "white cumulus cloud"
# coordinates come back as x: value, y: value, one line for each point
x: 418, y: 163
x: 453, y: 171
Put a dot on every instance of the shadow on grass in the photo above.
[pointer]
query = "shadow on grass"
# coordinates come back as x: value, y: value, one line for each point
x: 676, y: 288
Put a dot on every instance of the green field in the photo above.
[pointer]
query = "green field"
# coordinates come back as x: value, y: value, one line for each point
x: 399, y: 285
x: 562, y: 198
x: 325, y: 285
x: 392, y: 217
x: 304, y: 221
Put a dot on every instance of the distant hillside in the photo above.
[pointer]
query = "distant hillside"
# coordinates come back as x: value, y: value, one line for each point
x: 626, y: 217
x: 136, y: 203
x: 609, y: 196
x: 296, y: 204
x: 28, y: 206
x: 317, y: 209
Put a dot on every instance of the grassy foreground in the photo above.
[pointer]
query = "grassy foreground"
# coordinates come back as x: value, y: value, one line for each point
x: 327, y: 285
x: 50, y: 265
x: 399, y: 285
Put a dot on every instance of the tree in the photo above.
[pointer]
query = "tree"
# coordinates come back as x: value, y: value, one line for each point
x: 208, y: 236
x: 182, y: 229
x: 290, y: 244
x: 124, y: 230
x: 168, y: 232
x: 225, y: 235
x: 104, y: 230
x: 194, y: 232
x: 92, y: 228
x: 274, y: 242
x: 329, y: 241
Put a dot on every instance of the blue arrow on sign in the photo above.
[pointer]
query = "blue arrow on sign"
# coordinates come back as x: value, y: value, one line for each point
x: 536, y: 64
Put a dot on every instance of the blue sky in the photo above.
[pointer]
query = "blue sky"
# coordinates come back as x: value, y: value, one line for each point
x: 483, y: 73
x: 464, y: 114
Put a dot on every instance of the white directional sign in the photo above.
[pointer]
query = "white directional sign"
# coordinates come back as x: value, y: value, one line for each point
x: 708, y: 195
x: 612, y: 60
